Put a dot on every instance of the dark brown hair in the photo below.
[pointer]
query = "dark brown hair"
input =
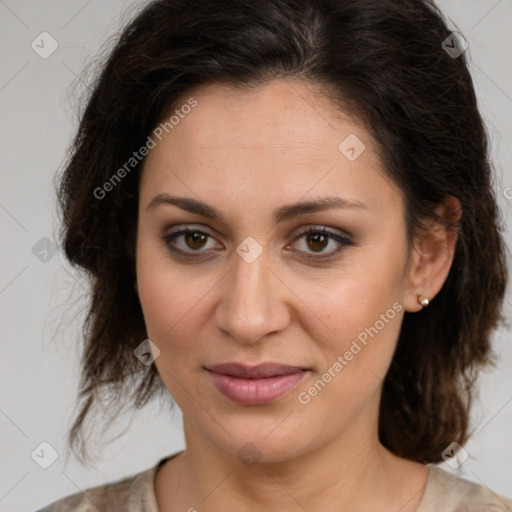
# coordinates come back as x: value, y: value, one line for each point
x: 383, y: 61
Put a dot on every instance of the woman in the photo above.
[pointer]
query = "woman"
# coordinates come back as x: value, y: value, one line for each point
x: 287, y: 216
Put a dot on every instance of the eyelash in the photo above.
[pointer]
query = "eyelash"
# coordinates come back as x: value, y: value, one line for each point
x: 343, y: 241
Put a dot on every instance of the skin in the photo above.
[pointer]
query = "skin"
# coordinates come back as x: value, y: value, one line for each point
x: 247, y: 153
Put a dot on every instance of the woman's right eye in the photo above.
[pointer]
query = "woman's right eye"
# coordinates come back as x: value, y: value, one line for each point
x: 190, y: 240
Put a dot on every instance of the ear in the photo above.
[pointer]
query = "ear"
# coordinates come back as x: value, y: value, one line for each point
x: 432, y: 257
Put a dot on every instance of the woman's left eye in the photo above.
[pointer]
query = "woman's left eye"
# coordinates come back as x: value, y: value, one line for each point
x: 318, y: 239
x: 314, y: 238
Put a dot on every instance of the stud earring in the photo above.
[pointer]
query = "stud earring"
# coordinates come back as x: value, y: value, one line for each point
x: 423, y: 300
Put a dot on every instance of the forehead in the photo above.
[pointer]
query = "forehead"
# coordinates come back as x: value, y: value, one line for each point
x: 280, y: 139
x: 269, y: 116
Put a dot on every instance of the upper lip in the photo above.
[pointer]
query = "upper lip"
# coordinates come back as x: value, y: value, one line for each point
x: 259, y: 371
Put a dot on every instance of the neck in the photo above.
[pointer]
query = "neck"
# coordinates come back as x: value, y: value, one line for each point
x: 353, y: 472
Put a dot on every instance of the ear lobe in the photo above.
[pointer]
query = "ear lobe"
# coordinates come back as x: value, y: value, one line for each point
x: 433, y: 256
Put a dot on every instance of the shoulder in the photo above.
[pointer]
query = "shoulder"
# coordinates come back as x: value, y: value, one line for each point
x: 134, y: 493
x: 447, y: 492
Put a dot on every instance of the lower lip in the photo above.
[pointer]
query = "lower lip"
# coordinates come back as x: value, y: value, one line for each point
x: 256, y: 391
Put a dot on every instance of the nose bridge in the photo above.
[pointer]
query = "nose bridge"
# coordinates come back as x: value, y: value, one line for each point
x: 250, y: 305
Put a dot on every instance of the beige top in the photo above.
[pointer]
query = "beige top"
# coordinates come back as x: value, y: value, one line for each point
x: 444, y: 492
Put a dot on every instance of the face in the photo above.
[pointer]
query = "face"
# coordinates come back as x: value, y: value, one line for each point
x: 251, y: 285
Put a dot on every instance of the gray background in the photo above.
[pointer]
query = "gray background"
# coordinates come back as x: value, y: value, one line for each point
x: 39, y: 358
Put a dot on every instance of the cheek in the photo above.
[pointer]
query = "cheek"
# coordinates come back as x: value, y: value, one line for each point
x: 160, y: 291
x: 168, y: 306
x: 348, y: 303
x: 174, y: 302
x: 361, y: 315
x: 169, y: 317
x: 357, y: 350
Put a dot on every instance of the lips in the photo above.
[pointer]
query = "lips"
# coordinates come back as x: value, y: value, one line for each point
x: 255, y: 385
x: 260, y: 371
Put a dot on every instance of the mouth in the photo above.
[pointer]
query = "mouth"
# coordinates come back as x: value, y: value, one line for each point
x: 260, y: 371
x: 256, y: 385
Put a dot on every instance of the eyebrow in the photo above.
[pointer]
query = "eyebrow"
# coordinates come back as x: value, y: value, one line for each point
x: 286, y: 212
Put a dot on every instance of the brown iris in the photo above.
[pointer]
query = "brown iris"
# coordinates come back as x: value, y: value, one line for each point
x: 317, y: 239
x: 195, y: 238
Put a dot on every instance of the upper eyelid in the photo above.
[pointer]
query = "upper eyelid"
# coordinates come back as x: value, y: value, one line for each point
x: 294, y: 232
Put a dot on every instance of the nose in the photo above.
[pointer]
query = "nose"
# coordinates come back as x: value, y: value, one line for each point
x: 254, y: 301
